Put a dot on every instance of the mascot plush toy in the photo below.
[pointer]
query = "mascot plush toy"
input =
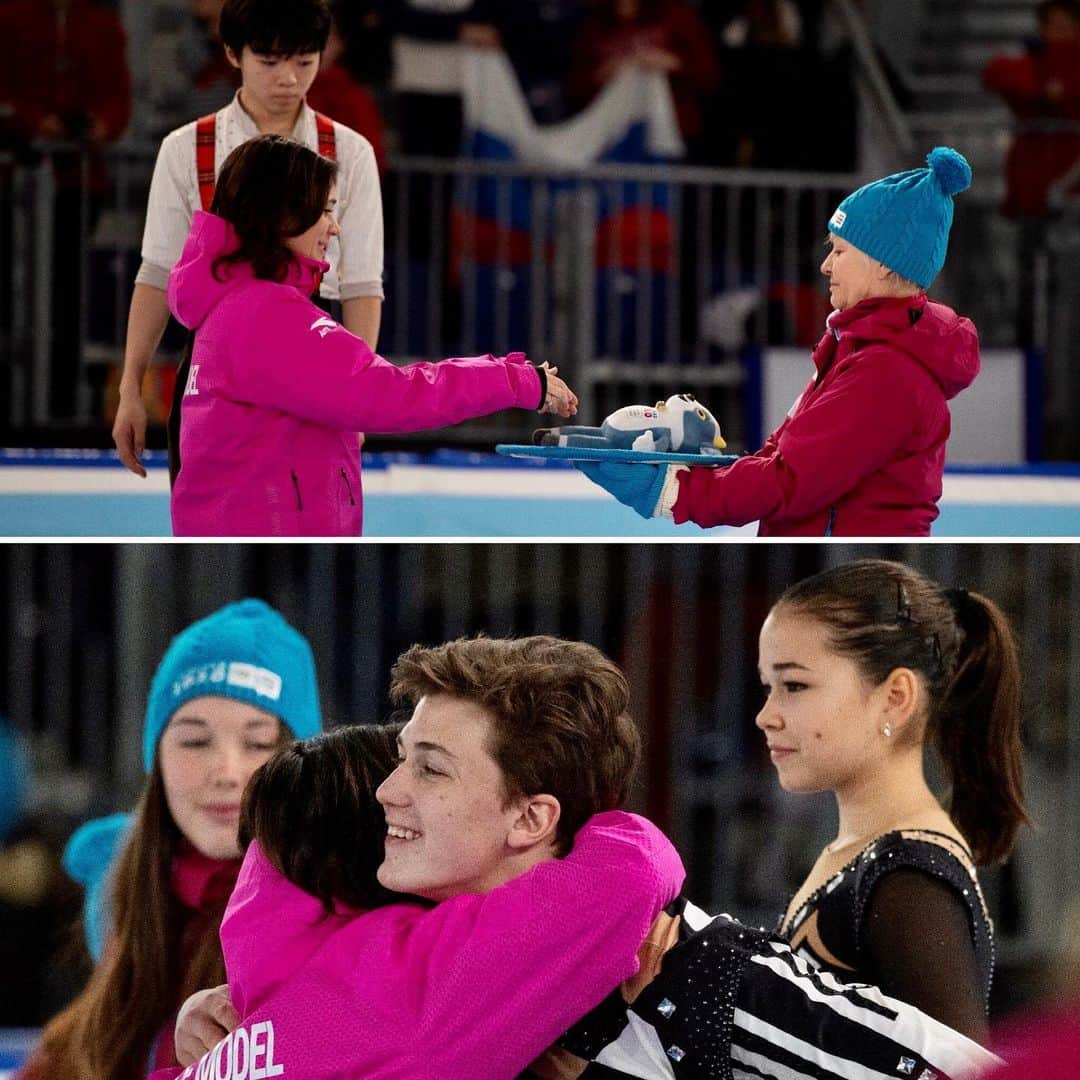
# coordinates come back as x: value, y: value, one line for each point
x: 679, y: 425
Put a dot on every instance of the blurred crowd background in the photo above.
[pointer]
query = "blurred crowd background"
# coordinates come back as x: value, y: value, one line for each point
x: 85, y: 626
x: 634, y: 276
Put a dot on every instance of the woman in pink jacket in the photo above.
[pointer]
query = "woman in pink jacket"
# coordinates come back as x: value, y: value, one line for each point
x: 862, y: 451
x: 277, y: 390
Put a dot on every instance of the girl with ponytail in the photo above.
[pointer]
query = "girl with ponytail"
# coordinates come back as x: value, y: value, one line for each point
x: 865, y: 666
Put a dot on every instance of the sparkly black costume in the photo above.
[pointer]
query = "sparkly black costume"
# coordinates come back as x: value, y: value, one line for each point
x: 907, y: 915
x: 734, y: 1003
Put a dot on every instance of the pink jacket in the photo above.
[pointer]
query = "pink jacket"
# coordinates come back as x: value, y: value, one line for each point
x: 278, y: 391
x: 477, y: 986
x: 862, y: 451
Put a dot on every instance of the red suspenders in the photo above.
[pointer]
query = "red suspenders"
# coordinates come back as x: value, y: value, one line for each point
x: 205, y: 136
x: 204, y: 158
x: 327, y: 143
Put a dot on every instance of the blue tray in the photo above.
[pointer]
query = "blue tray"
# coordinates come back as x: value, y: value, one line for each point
x: 589, y: 453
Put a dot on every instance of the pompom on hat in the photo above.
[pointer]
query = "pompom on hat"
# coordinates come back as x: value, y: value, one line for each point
x: 903, y: 220
x: 246, y: 651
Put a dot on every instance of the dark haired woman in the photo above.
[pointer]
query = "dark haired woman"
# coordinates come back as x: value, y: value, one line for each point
x: 230, y: 690
x: 865, y: 666
x: 277, y: 390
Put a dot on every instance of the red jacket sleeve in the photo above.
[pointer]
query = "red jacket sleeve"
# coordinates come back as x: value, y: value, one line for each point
x: 843, y: 435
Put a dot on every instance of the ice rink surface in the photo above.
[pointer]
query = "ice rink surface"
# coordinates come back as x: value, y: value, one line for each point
x: 453, y: 493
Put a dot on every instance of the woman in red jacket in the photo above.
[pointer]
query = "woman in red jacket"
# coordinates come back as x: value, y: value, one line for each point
x: 662, y: 35
x: 862, y: 451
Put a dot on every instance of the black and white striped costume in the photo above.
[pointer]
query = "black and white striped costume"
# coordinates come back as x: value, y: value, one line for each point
x: 734, y: 1003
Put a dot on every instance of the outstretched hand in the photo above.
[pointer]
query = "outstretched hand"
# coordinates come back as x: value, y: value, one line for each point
x: 560, y: 398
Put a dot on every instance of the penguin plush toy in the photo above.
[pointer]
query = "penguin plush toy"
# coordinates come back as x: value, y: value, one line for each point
x: 680, y: 425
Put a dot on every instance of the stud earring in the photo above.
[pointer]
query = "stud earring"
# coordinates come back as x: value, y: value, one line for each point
x: 887, y: 730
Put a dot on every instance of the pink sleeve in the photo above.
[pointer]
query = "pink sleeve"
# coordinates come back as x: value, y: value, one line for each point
x: 288, y: 358
x: 479, y: 985
x: 507, y: 973
x: 846, y: 433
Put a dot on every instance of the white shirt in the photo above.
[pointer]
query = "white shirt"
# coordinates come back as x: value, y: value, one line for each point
x: 356, y: 258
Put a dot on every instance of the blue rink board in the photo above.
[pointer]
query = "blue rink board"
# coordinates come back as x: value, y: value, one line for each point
x: 455, y: 502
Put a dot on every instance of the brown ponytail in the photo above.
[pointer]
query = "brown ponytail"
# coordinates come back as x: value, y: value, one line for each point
x: 977, y: 730
x: 885, y: 615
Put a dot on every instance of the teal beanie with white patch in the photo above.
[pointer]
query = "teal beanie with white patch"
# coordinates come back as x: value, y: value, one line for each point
x: 245, y: 651
x: 903, y: 220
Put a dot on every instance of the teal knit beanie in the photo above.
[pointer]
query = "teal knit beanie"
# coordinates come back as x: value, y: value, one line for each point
x: 245, y: 651
x: 903, y: 220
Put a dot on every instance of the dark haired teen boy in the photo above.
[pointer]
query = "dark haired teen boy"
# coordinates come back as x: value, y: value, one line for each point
x: 276, y: 45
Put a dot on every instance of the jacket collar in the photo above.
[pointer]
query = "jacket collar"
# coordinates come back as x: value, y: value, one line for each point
x: 887, y: 312
x: 200, y: 882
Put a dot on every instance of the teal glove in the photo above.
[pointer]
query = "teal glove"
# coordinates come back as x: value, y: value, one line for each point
x: 636, y: 486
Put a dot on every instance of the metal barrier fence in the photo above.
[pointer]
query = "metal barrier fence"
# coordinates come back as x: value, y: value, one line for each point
x: 85, y: 626
x: 637, y: 282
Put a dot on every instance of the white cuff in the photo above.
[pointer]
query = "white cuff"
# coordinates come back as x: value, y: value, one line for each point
x: 669, y: 493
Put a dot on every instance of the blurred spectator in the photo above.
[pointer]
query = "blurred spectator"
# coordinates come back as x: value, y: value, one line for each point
x: 775, y: 83
x: 365, y: 27
x: 539, y: 38
x: 427, y: 40
x: 1042, y: 88
x: 335, y: 92
x: 214, y: 80
x: 773, y: 23
x: 29, y: 875
x: 661, y: 35
x: 64, y: 76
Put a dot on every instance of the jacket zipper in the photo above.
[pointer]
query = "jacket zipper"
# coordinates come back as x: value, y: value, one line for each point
x: 296, y: 488
x: 345, y: 477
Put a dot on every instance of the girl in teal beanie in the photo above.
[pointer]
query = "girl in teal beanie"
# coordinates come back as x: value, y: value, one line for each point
x: 862, y: 451
x: 230, y: 690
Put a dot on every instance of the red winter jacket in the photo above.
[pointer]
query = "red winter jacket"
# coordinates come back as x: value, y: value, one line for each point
x: 862, y: 451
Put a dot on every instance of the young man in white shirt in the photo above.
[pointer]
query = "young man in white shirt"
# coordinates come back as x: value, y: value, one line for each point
x: 276, y: 45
